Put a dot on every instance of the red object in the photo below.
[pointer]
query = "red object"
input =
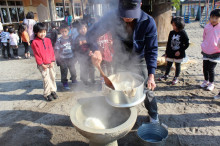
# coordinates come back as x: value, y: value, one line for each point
x: 105, y: 44
x: 43, y: 51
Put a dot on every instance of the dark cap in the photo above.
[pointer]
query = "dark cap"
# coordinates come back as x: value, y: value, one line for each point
x: 129, y: 8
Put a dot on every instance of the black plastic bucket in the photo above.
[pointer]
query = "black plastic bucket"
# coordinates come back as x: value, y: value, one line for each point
x: 152, y: 134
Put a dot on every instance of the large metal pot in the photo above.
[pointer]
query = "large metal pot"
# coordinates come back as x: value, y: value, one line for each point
x: 129, y: 90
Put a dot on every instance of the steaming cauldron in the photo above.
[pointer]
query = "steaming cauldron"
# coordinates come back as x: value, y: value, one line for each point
x: 129, y: 90
x: 117, y: 122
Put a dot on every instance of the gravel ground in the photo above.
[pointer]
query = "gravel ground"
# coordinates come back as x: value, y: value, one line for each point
x: 191, y: 114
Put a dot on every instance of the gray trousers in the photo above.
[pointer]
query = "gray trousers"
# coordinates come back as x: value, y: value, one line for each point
x: 65, y: 65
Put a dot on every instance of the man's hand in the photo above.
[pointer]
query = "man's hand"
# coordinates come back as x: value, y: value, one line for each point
x: 177, y: 53
x: 51, y: 65
x: 44, y: 67
x: 151, y: 83
x: 96, y: 58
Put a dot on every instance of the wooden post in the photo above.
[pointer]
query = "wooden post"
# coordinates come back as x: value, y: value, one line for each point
x: 73, y: 10
x: 82, y: 7
x: 51, y: 11
x: 64, y: 8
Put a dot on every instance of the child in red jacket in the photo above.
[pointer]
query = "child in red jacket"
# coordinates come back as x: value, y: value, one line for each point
x: 106, y: 48
x: 45, y: 58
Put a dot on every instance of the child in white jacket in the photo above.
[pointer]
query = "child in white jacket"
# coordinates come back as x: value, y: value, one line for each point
x: 14, y: 42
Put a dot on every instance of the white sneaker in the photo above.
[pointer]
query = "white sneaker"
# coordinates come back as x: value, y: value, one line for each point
x: 210, y: 87
x: 217, y: 96
x: 155, y: 121
x: 204, y: 84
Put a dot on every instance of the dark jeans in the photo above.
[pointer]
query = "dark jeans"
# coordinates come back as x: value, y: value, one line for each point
x: 7, y: 48
x: 209, y: 70
x: 15, y: 52
x: 66, y: 64
x: 26, y: 47
x: 178, y: 68
x: 87, y: 69
x: 139, y: 66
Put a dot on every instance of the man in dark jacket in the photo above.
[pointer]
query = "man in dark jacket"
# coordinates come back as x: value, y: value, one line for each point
x: 135, y: 42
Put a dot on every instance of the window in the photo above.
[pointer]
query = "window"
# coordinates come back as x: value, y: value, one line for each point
x: 4, y: 15
x: 11, y: 11
x: 77, y: 8
x: 59, y: 9
x: 2, y: 3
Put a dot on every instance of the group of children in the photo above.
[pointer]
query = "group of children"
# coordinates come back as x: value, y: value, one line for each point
x: 66, y: 51
x: 178, y: 42
x: 10, y: 39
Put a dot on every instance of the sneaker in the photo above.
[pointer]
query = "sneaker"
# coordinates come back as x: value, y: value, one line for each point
x: 17, y: 57
x: 155, y: 121
x: 66, y: 86
x: 175, y: 81
x: 49, y: 98
x: 74, y: 81
x: 54, y: 95
x: 204, y: 84
x: 210, y: 87
x: 164, y: 77
x: 217, y: 96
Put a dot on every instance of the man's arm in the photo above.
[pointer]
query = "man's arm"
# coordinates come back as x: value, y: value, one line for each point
x: 151, y: 51
x: 151, y: 47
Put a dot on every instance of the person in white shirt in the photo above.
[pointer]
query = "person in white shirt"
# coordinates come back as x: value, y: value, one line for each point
x: 30, y: 22
x: 5, y: 42
x: 14, y: 42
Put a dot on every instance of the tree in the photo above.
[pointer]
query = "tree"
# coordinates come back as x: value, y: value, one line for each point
x: 176, y: 4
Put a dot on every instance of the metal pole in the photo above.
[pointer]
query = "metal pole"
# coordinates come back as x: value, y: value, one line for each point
x: 51, y: 11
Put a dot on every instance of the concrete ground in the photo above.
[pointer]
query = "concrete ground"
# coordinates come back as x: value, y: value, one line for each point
x: 26, y: 119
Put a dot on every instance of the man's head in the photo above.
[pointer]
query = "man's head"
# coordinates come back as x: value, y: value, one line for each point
x: 129, y: 9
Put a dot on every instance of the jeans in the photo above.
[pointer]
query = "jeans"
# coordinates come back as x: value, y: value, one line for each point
x: 66, y: 64
x: 209, y: 70
x: 87, y: 69
x: 178, y: 68
x: 7, y: 48
x: 26, y: 47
